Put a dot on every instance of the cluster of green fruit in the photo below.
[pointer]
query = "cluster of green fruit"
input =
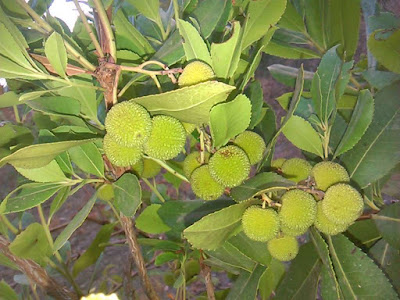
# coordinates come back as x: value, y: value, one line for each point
x: 298, y: 210
x: 229, y: 166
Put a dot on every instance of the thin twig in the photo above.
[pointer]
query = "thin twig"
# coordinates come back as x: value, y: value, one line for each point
x: 154, y: 189
x: 107, y: 29
x: 168, y: 168
x: 206, y: 272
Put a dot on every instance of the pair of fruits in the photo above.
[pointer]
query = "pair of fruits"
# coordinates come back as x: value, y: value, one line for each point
x: 227, y: 167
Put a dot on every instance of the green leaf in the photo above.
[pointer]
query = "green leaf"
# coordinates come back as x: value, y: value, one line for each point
x: 386, y: 48
x: 149, y: 221
x: 255, y: 93
x: 388, y: 223
x: 39, y: 155
x: 261, y: 183
x: 363, y: 233
x: 91, y: 255
x: 48, y: 173
x: 343, y: 26
x: 262, y: 14
x: 128, y: 194
x: 32, y: 244
x: 214, y: 229
x: 378, y: 79
x: 288, y: 51
x: 88, y: 158
x: 31, y: 195
x: 171, y: 51
x: 229, y: 119
x: 148, y: 8
x: 246, y: 285
x: 6, y: 292
x: 360, y: 120
x: 9, y: 99
x: 165, y: 257
x: 193, y: 44
x: 59, y: 200
x: 56, y: 53
x: 57, y: 105
x: 11, y: 70
x: 14, y: 136
x: 388, y: 259
x: 74, y: 224
x: 271, y: 279
x: 225, y: 56
x: 291, y: 19
x: 378, y: 151
x: 301, y: 134
x: 316, y: 23
x: 287, y: 75
x: 358, y: 276
x: 301, y: 281
x: 190, y: 104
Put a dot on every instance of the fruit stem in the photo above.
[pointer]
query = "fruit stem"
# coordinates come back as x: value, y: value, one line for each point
x: 154, y: 189
x: 201, y: 145
x: 168, y: 168
x: 266, y: 199
x: 8, y: 224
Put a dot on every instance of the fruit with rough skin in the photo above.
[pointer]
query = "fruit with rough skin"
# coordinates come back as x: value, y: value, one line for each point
x: 296, y: 169
x: 277, y: 163
x: 260, y: 224
x: 150, y: 168
x: 229, y: 166
x: 292, y: 232
x: 138, y: 168
x: 253, y: 144
x: 194, y: 73
x: 283, y: 248
x: 342, y: 204
x: 204, y: 186
x: 328, y: 173
x: 106, y: 192
x: 323, y: 224
x: 192, y: 162
x: 298, y: 211
x: 121, y: 156
x: 167, y: 138
x: 129, y: 124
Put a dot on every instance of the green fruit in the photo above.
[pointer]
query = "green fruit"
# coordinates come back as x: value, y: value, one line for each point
x: 260, y: 224
x: 342, y: 204
x: 296, y: 169
x: 328, y: 173
x: 167, y: 138
x: 292, y: 232
x: 192, y: 162
x: 150, y: 168
x: 253, y: 144
x: 189, y: 127
x: 106, y: 192
x: 277, y: 163
x: 204, y: 186
x: 138, y: 168
x: 230, y: 166
x: 298, y: 211
x: 129, y: 124
x: 283, y: 248
x: 194, y: 73
x: 323, y: 224
x: 119, y: 155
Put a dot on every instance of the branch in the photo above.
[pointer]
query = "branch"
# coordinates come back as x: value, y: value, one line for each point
x: 38, y: 275
x: 206, y: 272
x: 105, y: 24
x: 127, y: 224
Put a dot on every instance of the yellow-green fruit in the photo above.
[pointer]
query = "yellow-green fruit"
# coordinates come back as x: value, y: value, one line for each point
x: 253, y: 144
x: 204, y: 186
x: 292, y: 232
x: 323, y: 224
x: 283, y: 248
x: 277, y: 163
x: 129, y: 124
x: 150, y: 168
x: 296, y: 169
x: 194, y: 73
x: 189, y: 127
x: 298, y: 210
x: 167, y: 138
x: 260, y: 224
x: 106, y: 192
x: 328, y: 173
x: 138, y: 168
x: 192, y: 162
x: 342, y: 204
x: 119, y: 155
x: 230, y: 166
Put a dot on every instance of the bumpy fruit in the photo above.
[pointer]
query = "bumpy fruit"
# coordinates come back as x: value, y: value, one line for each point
x: 296, y: 169
x: 192, y: 162
x: 138, y: 168
x: 230, y: 166
x: 204, y: 186
x: 298, y: 210
x: 106, y: 192
x: 283, y: 248
x: 328, y: 173
x: 292, y: 232
x: 129, y: 124
x: 323, y: 224
x: 119, y: 155
x: 253, y: 144
x: 150, y: 168
x: 277, y: 163
x: 342, y: 204
x: 194, y: 73
x: 260, y: 224
x: 167, y: 138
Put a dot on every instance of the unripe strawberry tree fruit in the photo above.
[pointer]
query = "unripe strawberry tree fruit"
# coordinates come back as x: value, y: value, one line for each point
x: 159, y: 134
